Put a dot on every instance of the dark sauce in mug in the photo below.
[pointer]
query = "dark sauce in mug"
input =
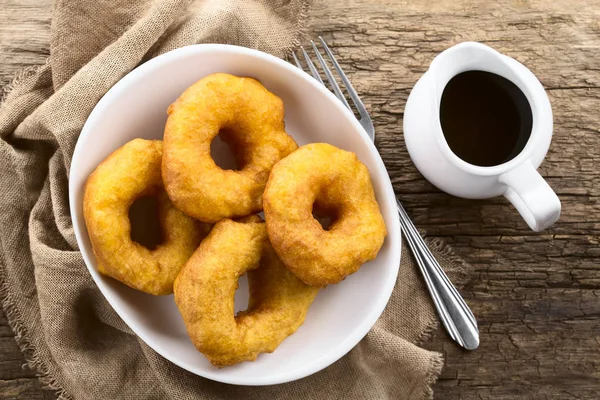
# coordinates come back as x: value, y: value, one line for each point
x: 486, y: 119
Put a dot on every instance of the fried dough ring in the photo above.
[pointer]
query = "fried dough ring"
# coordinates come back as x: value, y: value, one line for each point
x: 205, y: 289
x: 334, y: 182
x: 131, y: 172
x: 249, y: 119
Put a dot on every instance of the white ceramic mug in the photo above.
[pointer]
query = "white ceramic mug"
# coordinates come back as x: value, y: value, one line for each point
x: 517, y: 179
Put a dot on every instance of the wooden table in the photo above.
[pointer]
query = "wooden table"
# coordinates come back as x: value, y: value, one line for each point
x: 536, y: 296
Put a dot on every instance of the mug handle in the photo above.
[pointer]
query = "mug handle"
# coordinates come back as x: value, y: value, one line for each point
x: 531, y: 195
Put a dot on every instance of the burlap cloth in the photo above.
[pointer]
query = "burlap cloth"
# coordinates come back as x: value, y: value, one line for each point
x: 66, y: 329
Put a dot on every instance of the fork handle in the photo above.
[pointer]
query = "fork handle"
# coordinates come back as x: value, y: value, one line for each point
x: 455, y: 314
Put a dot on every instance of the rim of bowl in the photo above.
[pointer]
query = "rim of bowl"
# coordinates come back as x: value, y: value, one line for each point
x: 363, y: 327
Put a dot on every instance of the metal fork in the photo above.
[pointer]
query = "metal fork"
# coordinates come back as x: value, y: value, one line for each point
x: 456, y: 316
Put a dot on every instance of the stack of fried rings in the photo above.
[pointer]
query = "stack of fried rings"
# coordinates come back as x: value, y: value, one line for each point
x: 284, y: 273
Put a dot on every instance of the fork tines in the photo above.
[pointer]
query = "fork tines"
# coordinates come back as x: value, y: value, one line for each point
x: 312, y: 69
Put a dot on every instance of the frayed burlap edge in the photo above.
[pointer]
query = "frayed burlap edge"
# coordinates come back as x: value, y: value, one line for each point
x: 18, y: 78
x: 32, y: 359
x: 432, y: 377
x: 13, y: 316
x: 300, y: 28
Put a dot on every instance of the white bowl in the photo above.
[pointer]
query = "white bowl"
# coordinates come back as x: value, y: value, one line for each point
x: 341, y: 314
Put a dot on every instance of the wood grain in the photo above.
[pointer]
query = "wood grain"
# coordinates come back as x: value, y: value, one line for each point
x: 24, y: 35
x: 536, y: 296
